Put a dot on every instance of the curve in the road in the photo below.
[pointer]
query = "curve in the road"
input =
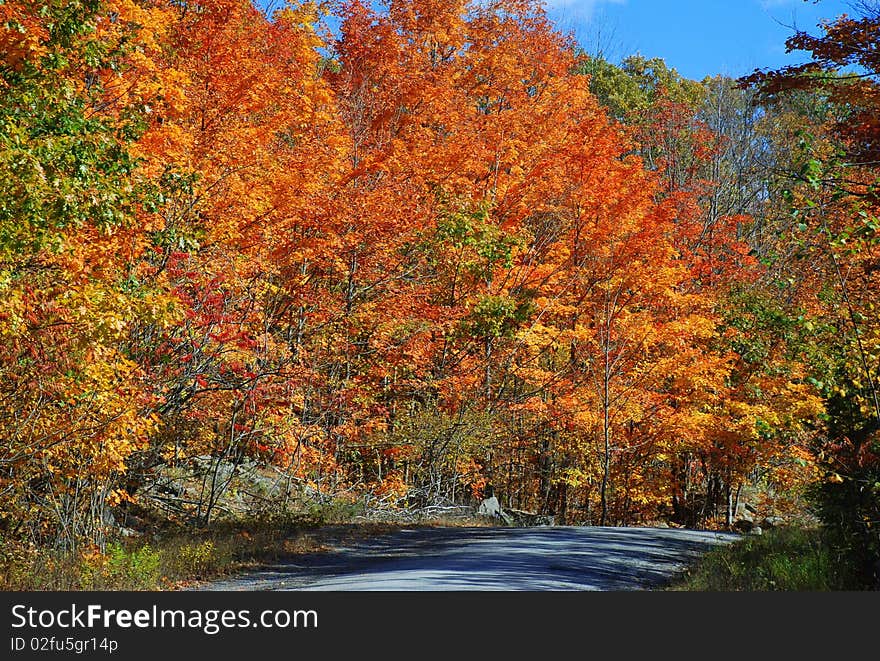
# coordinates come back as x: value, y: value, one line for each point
x: 490, y: 559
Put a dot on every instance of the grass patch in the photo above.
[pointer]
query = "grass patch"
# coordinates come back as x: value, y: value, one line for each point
x: 174, y: 559
x: 782, y: 559
x: 168, y: 555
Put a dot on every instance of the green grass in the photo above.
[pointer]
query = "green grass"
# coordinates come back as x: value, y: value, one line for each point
x: 181, y: 555
x: 139, y: 563
x: 784, y: 559
x: 790, y: 559
x: 173, y: 559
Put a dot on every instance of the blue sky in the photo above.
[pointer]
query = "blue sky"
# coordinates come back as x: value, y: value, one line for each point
x: 697, y: 37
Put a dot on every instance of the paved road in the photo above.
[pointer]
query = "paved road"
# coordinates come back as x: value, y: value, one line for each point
x: 554, y: 558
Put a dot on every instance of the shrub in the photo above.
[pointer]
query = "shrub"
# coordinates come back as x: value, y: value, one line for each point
x: 790, y: 559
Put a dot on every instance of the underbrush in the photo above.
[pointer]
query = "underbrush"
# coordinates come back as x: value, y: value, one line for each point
x: 783, y: 559
x: 176, y: 556
x: 169, y: 556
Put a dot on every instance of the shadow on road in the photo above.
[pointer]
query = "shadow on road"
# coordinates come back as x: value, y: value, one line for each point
x: 489, y: 559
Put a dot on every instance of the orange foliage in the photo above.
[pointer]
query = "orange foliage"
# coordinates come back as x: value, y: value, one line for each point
x: 435, y: 217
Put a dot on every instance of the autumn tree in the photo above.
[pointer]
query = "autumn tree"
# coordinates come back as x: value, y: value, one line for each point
x: 402, y: 260
x: 245, y: 145
x: 833, y: 201
x: 75, y: 89
x: 721, y: 164
x: 532, y: 225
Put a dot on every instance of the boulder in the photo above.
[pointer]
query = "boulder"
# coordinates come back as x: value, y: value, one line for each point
x: 512, y: 517
x: 490, y: 507
x: 772, y: 521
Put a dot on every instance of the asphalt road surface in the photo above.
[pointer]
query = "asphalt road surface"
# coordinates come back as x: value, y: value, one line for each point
x: 491, y: 559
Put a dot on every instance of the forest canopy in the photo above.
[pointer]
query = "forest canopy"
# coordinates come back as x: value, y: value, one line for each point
x: 435, y: 249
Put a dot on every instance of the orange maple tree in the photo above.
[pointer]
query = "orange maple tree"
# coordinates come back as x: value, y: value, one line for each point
x: 406, y: 260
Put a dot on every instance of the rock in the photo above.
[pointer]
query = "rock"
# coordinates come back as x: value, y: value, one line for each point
x: 750, y: 508
x: 490, y: 507
x: 772, y: 521
x: 756, y: 531
x: 170, y: 488
x: 744, y: 525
